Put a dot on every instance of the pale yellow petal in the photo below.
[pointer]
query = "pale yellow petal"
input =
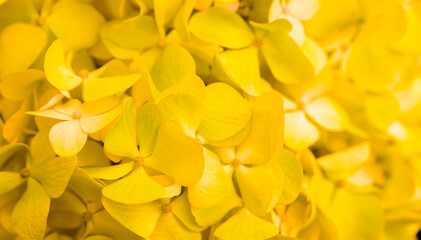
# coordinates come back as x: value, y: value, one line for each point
x: 328, y: 113
x: 300, y: 133
x: 96, y: 123
x: 346, y: 162
x: 67, y: 138
x: 51, y: 114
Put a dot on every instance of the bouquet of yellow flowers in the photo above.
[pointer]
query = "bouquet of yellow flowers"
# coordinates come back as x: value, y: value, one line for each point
x: 210, y: 119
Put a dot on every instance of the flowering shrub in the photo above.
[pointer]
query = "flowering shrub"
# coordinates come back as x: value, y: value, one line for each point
x: 202, y: 119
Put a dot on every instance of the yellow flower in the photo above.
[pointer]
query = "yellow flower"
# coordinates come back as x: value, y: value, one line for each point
x: 46, y: 176
x: 165, y: 159
x: 112, y: 78
x: 78, y: 121
x: 160, y: 219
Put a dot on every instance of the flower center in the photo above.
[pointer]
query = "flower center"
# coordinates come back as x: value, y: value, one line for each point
x: 285, y: 10
x: 340, y: 184
x: 138, y: 161
x: 87, y: 216
x: 343, y: 47
x: 24, y: 173
x: 258, y: 42
x: 161, y: 43
x: 235, y: 162
x: 84, y: 73
x: 300, y: 106
x: 284, y: 218
x: 76, y: 115
x: 40, y: 21
x: 200, y: 139
x: 166, y: 208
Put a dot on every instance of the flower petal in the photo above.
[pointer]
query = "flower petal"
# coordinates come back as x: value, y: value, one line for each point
x: 180, y: 207
x: 148, y: 121
x: 110, y: 172
x: 300, y: 133
x: 57, y: 69
x: 172, y: 64
x: 20, y: 45
x: 347, y: 162
x: 94, y: 124
x: 8, y: 151
x: 327, y: 113
x: 293, y: 172
x: 244, y: 225
x: 227, y: 113
x: 71, y: 106
x: 191, y: 85
x: 53, y: 173
x: 112, y: 78
x: 67, y: 138
x: 261, y: 187
x: 222, y: 27
x: 29, y: 217
x: 374, y: 68
x: 135, y: 188
x: 17, y: 86
x: 242, y: 68
x: 169, y: 227
x: 77, y: 23
x: 177, y: 155
x: 9, y: 181
x: 50, y: 114
x: 265, y: 138
x: 140, y: 218
x: 130, y: 34
x: 123, y: 131
x: 213, y: 186
x: 164, y: 12
x: 182, y: 18
x: 303, y: 10
x: 208, y: 216
x: 286, y: 60
x: 185, y: 110
x: 100, y: 106
x: 382, y: 109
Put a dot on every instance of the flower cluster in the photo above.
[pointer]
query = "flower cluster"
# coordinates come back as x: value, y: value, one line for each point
x: 210, y: 119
